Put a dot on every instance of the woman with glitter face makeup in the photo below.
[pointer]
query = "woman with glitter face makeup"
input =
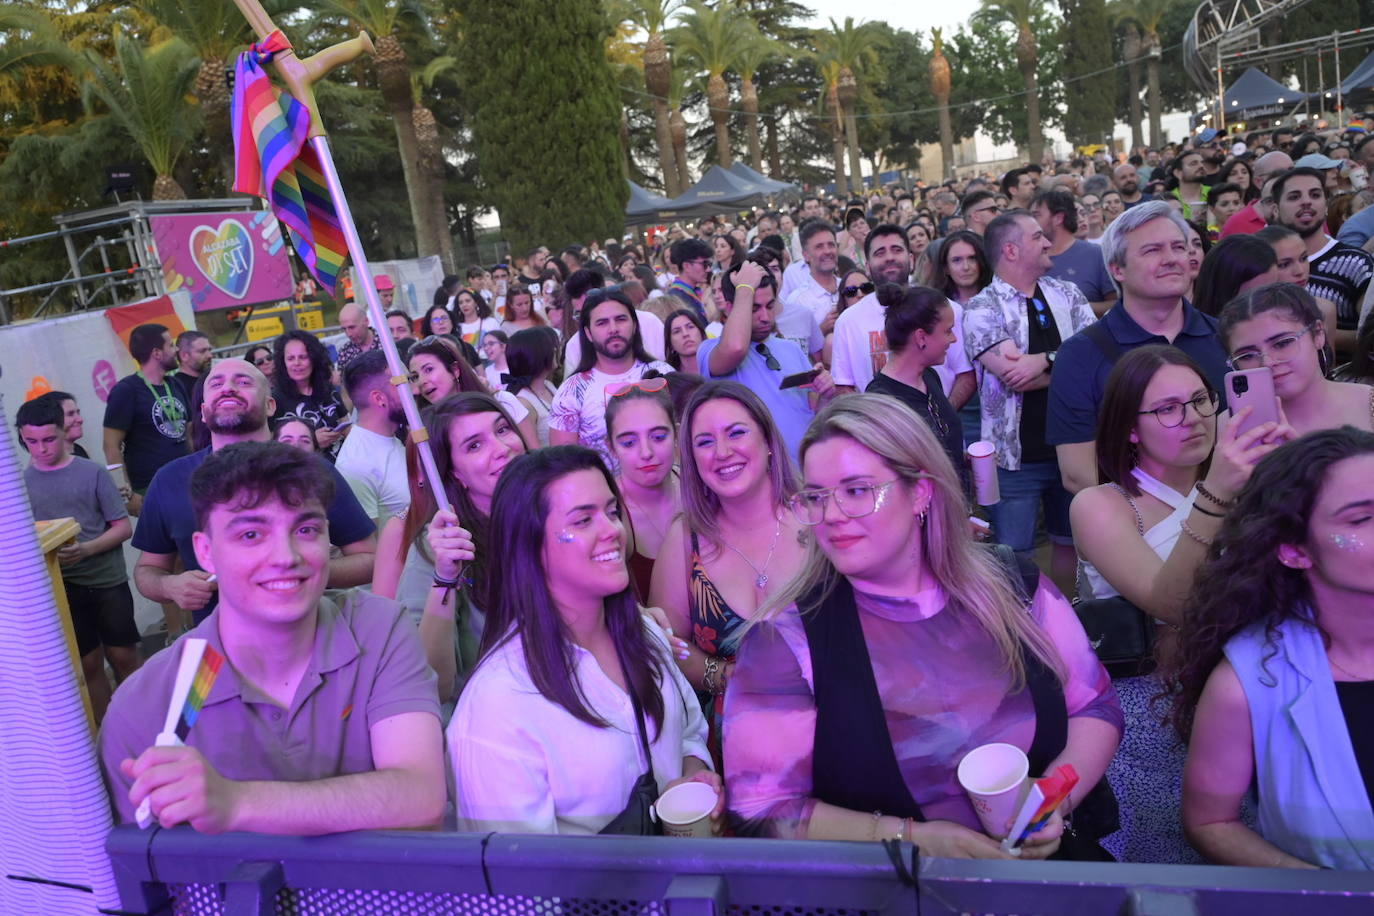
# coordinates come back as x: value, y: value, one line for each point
x: 1281, y: 327
x: 1274, y: 684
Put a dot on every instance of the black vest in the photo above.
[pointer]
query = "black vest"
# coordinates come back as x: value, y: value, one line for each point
x: 854, y: 764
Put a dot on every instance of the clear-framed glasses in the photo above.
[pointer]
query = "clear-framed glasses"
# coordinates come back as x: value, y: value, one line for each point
x: 1173, y: 414
x: 1279, y: 350
x: 854, y: 500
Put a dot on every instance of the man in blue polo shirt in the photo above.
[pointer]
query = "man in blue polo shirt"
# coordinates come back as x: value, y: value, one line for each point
x: 1146, y: 249
x: 235, y: 409
x: 750, y: 352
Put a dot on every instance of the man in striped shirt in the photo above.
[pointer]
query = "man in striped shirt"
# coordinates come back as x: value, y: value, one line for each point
x: 1340, y: 272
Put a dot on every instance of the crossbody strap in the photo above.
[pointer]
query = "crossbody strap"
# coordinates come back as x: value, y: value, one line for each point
x: 639, y: 714
x: 1139, y: 522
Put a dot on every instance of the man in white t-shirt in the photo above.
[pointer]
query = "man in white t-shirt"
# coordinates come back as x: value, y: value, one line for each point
x: 616, y: 357
x: 372, y: 459
x: 859, y: 347
x: 818, y: 286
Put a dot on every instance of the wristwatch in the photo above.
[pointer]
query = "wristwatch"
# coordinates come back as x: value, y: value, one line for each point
x: 1049, y: 360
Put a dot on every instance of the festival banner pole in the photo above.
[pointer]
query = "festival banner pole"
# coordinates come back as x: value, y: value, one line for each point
x: 299, y: 76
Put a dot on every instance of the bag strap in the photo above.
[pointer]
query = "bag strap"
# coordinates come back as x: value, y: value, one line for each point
x: 1139, y: 522
x: 639, y: 714
x: 1097, y: 332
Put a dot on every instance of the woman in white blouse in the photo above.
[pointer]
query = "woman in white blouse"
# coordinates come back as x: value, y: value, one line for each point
x: 545, y: 738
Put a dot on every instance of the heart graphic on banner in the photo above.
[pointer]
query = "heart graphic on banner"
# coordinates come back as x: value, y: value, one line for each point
x: 224, y: 256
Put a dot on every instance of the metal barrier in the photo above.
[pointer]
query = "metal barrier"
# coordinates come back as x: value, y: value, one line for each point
x: 384, y: 873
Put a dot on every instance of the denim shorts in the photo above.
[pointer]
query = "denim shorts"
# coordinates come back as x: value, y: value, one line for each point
x: 1023, y: 492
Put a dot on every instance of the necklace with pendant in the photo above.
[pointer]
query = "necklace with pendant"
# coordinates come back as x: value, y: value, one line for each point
x: 761, y: 574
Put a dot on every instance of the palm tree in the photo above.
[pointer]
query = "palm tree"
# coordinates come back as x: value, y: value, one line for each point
x: 1021, y: 14
x: 677, y: 124
x: 652, y: 17
x: 712, y: 39
x: 147, y: 97
x: 757, y: 51
x: 430, y: 150
x: 383, y: 19
x: 1131, y: 49
x: 830, y: 73
x: 939, y: 87
x: 851, y: 47
x: 1147, y: 16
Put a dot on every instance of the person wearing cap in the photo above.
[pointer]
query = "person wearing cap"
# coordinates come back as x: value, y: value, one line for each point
x: 1330, y: 169
x: 386, y: 290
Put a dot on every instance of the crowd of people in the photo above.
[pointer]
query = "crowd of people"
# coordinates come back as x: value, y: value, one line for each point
x: 708, y: 516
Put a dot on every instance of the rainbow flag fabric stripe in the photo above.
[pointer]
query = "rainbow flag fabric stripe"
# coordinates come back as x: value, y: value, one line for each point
x: 273, y: 160
x: 206, y: 672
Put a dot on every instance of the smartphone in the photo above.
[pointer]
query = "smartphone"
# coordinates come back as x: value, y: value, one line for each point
x: 1252, y: 388
x: 799, y: 379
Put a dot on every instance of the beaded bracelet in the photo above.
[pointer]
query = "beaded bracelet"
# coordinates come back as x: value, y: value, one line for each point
x: 1187, y: 529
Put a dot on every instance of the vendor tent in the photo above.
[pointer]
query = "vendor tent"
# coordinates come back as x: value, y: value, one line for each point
x: 643, y: 206
x: 718, y: 191
x: 1361, y: 79
x: 771, y: 185
x: 1255, y: 94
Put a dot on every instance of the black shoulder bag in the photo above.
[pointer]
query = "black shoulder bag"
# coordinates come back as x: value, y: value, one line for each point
x: 637, y: 818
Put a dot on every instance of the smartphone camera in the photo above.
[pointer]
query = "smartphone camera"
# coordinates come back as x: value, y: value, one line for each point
x: 1240, y: 384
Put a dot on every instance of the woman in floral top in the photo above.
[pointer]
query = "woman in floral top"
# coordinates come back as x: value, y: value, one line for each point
x: 815, y: 748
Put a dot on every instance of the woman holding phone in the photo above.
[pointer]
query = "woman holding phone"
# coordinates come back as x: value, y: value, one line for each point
x: 1279, y: 328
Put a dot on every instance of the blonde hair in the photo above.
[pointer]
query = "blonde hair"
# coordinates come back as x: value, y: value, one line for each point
x: 976, y: 583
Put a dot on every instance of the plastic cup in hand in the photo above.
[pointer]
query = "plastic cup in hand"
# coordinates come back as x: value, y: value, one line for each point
x: 685, y: 809
x: 983, y: 457
x: 994, y: 776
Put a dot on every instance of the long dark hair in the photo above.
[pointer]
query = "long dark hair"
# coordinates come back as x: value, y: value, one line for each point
x: 320, y: 367
x: 1231, y: 263
x: 1248, y: 191
x: 422, y: 502
x: 1242, y: 582
x: 427, y: 326
x: 447, y: 352
x: 1120, y: 411
x: 598, y: 297
x: 939, y: 269
x: 525, y: 608
x: 480, y: 306
x: 674, y: 359
x: 448, y: 287
x: 907, y: 309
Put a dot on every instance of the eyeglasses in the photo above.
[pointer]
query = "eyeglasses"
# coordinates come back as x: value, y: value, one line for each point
x: 1173, y: 414
x: 1278, y: 351
x: 864, y: 288
x: 644, y: 384
x: 854, y: 500
x: 769, y: 359
x: 1042, y: 312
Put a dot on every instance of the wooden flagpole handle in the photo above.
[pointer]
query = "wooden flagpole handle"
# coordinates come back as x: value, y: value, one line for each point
x: 300, y: 75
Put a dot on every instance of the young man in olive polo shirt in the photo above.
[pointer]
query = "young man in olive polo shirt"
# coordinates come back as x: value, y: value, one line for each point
x: 325, y: 715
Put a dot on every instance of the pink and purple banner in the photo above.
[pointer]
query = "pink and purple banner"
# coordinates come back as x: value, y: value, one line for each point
x: 224, y: 260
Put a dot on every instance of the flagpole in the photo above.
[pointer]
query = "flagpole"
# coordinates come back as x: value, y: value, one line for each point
x: 299, y: 76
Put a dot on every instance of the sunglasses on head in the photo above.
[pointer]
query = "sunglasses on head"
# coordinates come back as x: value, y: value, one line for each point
x: 864, y: 288
x: 649, y: 385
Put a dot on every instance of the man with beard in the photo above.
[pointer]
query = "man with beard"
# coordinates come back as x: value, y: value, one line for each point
x: 1127, y: 181
x: 372, y: 459
x: 235, y: 409
x: 1187, y: 171
x: 145, y: 415
x: 1340, y: 272
x: 816, y: 284
x: 193, y: 361
x: 859, y: 348
x: 750, y: 352
x: 533, y: 271
x: 615, y: 358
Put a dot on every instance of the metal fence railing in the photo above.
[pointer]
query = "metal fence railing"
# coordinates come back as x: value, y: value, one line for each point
x: 385, y: 873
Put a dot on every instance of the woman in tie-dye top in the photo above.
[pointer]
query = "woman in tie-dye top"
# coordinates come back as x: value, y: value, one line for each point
x: 816, y: 748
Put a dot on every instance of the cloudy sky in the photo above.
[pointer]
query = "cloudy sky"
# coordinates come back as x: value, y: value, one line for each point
x: 901, y: 15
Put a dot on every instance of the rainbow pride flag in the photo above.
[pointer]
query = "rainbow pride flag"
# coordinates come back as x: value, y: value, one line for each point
x: 274, y: 161
x: 206, y: 672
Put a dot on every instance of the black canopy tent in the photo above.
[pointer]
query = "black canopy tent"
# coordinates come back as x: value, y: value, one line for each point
x: 1255, y: 94
x: 772, y: 185
x: 1360, y: 82
x: 718, y: 191
x: 643, y: 206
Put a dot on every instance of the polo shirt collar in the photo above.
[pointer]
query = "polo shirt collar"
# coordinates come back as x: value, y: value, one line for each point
x: 335, y: 646
x: 1127, y: 331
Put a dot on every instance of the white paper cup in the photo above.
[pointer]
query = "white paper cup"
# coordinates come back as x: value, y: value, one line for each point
x: 685, y: 809
x: 994, y: 776
x: 983, y: 457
